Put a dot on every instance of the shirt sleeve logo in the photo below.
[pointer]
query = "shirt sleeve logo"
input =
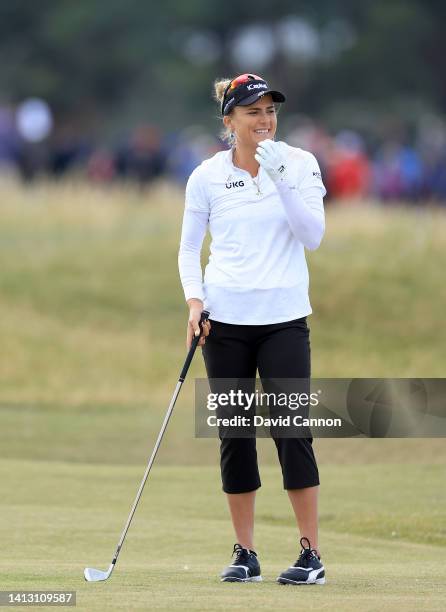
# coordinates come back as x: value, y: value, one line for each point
x: 317, y: 175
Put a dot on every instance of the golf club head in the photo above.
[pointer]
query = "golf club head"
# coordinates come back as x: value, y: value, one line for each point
x: 95, y: 575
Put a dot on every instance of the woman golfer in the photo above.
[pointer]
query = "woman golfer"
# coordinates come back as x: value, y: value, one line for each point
x: 263, y: 203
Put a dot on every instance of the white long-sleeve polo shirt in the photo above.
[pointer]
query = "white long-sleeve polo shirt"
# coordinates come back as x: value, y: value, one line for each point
x: 257, y: 273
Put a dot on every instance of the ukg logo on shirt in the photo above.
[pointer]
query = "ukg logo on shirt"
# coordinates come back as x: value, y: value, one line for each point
x: 231, y: 184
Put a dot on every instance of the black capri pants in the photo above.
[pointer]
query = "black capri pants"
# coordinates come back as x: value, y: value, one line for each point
x: 279, y: 350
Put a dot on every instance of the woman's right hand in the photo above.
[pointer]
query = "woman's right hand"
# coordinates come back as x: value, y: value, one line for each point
x: 193, y: 327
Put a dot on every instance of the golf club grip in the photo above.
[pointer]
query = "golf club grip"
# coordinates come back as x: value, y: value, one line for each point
x: 195, y: 340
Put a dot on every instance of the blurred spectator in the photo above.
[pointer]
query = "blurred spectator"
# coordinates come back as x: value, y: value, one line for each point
x: 398, y: 173
x: 188, y: 150
x: 387, y: 179
x: 34, y: 122
x: 9, y: 139
x: 143, y: 158
x: 348, y: 172
x: 68, y: 154
x: 101, y: 166
x: 436, y: 178
x: 411, y: 172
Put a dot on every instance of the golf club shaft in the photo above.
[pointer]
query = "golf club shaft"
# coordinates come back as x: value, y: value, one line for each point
x: 194, y: 344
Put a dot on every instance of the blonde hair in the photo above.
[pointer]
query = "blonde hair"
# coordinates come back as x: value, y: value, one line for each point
x: 220, y: 86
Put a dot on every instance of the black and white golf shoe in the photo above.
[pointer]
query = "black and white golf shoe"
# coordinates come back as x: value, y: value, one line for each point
x: 308, y: 569
x: 245, y: 568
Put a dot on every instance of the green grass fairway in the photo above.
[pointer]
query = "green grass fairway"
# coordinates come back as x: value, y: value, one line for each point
x: 378, y: 529
x: 92, y: 332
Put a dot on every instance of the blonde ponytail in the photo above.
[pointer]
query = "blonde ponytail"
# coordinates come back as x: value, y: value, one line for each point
x: 220, y: 86
x: 219, y: 89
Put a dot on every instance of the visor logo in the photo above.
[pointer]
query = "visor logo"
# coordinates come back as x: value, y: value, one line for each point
x: 257, y: 86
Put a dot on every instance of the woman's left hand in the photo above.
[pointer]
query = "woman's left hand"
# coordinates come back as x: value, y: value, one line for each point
x: 270, y: 157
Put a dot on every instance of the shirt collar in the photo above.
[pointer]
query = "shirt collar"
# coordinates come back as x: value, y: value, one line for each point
x: 229, y: 161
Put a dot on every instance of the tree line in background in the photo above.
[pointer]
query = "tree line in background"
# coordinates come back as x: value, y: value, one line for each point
x: 105, y: 65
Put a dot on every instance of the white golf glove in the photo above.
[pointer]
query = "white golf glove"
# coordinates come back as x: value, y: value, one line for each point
x: 270, y: 157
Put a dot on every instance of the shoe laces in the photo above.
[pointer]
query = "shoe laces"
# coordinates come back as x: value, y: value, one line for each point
x: 306, y: 554
x: 241, y: 554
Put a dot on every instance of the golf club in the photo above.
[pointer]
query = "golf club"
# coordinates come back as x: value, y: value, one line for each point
x: 95, y: 575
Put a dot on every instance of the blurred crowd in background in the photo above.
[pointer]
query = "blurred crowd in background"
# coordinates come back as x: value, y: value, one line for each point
x: 401, y: 168
x: 105, y: 91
